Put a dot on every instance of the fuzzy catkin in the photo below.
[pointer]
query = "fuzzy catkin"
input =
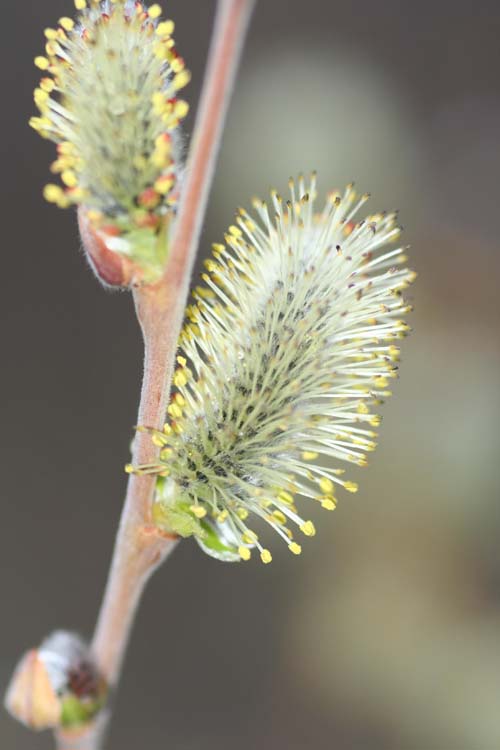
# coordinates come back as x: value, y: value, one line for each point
x: 108, y: 98
x: 290, y: 344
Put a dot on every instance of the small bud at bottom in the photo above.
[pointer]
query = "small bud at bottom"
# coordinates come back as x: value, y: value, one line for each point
x: 56, y: 685
x: 30, y: 697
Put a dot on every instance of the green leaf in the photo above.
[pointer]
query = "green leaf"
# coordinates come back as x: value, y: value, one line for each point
x: 215, y: 542
x: 76, y: 712
x: 176, y: 519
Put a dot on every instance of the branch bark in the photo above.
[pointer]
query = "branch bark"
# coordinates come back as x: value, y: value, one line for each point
x: 140, y: 549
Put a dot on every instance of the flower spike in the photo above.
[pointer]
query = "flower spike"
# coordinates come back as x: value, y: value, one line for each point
x: 289, y: 345
x: 109, y: 100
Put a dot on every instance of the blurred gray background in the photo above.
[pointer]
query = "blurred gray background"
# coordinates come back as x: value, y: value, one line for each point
x: 385, y: 634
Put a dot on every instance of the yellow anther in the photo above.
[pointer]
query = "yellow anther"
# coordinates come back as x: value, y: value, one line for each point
x: 80, y: 4
x: 165, y: 28
x: 222, y: 516
x: 285, y: 497
x: 69, y: 178
x: 155, y: 11
x: 51, y: 49
x: 47, y: 84
x: 204, y: 293
x: 175, y: 411
x: 67, y: 23
x: 244, y: 553
x: 129, y: 469
x: 329, y: 503
x: 295, y: 548
x: 198, y: 511
x: 181, y: 109
x: 62, y: 163
x: 326, y: 485
x: 50, y: 34
x: 162, y: 52
x: 159, y: 440
x: 242, y: 514
x: 180, y: 400
x: 362, y: 408
x: 53, y: 193
x: 182, y: 361
x: 279, y: 517
x: 266, y: 556
x: 165, y: 183
x: 167, y: 429
x: 375, y: 421
x: 65, y: 147
x: 351, y: 486
x: 41, y: 97
x: 250, y: 537
x: 192, y: 313
x: 177, y: 64
x: 180, y: 379
x: 160, y: 104
x: 42, y: 62
x: 181, y: 79
x: 309, y: 455
x: 163, y: 146
x: 308, y: 529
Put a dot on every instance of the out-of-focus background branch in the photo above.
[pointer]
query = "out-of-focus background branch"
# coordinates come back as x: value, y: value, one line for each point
x: 385, y: 634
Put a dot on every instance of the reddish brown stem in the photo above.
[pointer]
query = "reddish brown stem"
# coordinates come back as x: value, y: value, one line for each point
x: 229, y: 34
x: 139, y: 548
x: 139, y: 551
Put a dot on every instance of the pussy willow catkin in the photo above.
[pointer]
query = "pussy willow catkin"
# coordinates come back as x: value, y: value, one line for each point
x: 288, y: 347
x: 109, y: 100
